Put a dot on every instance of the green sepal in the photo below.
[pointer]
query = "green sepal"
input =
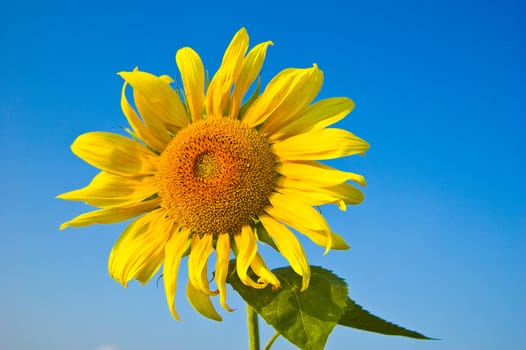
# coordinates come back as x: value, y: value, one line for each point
x: 263, y: 236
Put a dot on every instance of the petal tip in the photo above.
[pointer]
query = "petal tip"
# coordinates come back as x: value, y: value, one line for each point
x: 305, y: 281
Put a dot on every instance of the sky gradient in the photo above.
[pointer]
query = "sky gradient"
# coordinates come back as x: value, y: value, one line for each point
x: 438, y: 245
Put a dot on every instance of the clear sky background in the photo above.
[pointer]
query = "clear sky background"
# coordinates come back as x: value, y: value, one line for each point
x: 439, y: 243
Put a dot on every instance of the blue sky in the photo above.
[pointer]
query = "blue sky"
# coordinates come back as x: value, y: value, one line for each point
x: 439, y: 243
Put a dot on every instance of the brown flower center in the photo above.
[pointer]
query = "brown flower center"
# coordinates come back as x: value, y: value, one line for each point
x: 216, y: 175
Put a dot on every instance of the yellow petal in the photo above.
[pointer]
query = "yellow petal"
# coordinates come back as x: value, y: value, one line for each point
x: 108, y: 190
x: 201, y: 302
x: 289, y: 246
x: 249, y: 72
x: 317, y: 173
x: 298, y: 98
x: 156, y: 101
x: 340, y: 194
x: 164, y: 231
x: 142, y: 131
x: 320, y: 144
x: 319, y: 115
x: 319, y: 237
x: 197, y: 262
x: 193, y: 77
x: 265, y: 275
x: 139, y: 251
x: 282, y: 95
x: 218, y: 93
x: 173, y: 251
x: 114, y: 153
x: 300, y: 216
x: 295, y: 211
x: 112, y: 215
x: 247, y: 248
x: 148, y: 101
x: 223, y: 254
x: 145, y: 274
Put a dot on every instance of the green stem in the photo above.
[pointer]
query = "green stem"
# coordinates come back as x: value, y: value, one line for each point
x: 253, y: 330
x: 271, y: 341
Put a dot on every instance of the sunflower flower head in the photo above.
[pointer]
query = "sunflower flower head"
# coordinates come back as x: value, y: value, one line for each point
x: 207, y: 168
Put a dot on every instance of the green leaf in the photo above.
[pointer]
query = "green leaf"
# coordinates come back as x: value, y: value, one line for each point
x: 304, y: 318
x: 356, y: 317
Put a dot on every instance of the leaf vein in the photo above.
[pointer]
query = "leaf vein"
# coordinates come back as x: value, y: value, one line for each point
x: 294, y: 292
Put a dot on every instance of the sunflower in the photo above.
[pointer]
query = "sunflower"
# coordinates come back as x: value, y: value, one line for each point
x: 206, y: 168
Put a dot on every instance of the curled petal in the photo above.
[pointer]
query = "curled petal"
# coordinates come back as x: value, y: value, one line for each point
x: 197, y: 262
x: 265, y: 275
x: 247, y: 249
x: 201, y: 302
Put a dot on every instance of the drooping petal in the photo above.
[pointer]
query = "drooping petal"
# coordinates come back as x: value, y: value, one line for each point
x: 223, y: 254
x: 218, y: 93
x: 197, y: 262
x: 299, y: 220
x: 156, y: 101
x: 329, y: 144
x: 290, y: 248
x: 297, y: 212
x: 282, y: 95
x: 319, y: 115
x: 108, y: 190
x: 112, y: 215
x: 247, y: 249
x: 249, y: 72
x: 201, y: 302
x: 340, y: 195
x: 193, y: 77
x: 139, y: 251
x: 317, y: 174
x: 115, y: 154
x: 300, y: 216
x: 144, y: 132
x: 265, y: 275
x: 296, y: 102
x: 150, y: 269
x: 173, y: 251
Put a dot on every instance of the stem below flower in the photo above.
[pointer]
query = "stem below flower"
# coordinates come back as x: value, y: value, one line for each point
x: 253, y: 330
